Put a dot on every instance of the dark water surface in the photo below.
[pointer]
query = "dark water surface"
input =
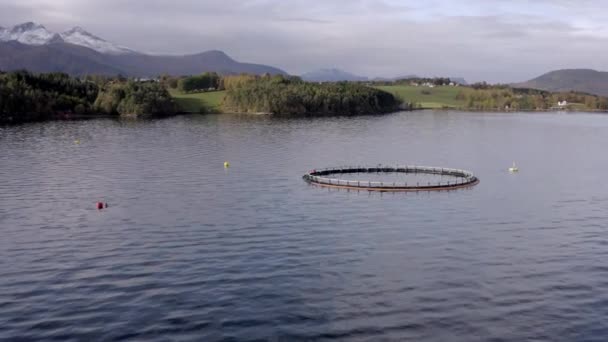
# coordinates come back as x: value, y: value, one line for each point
x: 190, y: 251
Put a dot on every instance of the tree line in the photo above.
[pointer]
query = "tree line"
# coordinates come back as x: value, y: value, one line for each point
x: 208, y: 81
x: 501, y: 97
x: 290, y: 95
x: 134, y: 99
x: 29, y: 96
x: 35, y: 96
x: 436, y: 81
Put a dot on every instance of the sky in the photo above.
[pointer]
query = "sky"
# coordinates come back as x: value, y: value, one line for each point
x: 480, y: 40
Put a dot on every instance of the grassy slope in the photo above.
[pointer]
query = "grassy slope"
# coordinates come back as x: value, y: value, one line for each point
x: 439, y: 97
x: 209, y: 102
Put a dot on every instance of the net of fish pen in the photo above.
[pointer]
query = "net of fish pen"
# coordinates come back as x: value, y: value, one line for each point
x: 386, y: 178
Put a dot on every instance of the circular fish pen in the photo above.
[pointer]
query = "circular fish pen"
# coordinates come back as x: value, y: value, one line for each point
x: 416, y: 178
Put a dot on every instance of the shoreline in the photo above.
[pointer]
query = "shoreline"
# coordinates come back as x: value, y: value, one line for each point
x: 31, y: 118
x: 509, y: 111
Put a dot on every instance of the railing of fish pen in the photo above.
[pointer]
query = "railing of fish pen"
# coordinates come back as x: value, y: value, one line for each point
x: 464, y: 178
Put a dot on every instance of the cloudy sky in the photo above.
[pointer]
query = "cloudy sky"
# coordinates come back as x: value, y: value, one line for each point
x: 493, y: 40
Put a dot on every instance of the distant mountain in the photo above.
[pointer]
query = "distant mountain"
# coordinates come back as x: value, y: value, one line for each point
x: 79, y: 60
x: 29, y: 33
x: 217, y: 61
x: 62, y: 57
x: 391, y: 79
x: 34, y: 34
x: 582, y: 80
x: 78, y: 36
x: 331, y: 75
x: 77, y: 52
x: 459, y: 80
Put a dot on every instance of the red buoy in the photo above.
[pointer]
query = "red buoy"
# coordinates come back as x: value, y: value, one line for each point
x: 100, y: 205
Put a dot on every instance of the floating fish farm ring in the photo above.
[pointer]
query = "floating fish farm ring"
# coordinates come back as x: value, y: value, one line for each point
x: 402, y: 178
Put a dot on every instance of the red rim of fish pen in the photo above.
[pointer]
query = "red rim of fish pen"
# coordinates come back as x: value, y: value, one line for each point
x: 466, y: 179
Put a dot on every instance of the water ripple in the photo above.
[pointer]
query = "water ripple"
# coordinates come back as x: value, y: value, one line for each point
x: 189, y: 250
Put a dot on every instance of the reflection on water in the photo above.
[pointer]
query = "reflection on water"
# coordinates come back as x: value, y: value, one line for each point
x: 189, y: 250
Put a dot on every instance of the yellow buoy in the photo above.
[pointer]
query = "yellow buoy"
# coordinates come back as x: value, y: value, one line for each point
x: 76, y: 142
x: 226, y: 164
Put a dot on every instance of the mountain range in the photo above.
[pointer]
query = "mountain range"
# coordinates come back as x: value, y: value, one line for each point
x: 34, y: 34
x: 336, y: 75
x: 331, y: 75
x: 581, y: 80
x: 77, y: 52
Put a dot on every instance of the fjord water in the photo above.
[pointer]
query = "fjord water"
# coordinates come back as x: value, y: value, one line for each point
x: 188, y: 250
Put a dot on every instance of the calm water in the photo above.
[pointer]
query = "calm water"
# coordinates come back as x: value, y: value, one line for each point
x: 190, y: 251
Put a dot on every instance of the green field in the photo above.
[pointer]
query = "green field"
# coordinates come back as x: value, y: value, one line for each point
x: 207, y: 102
x: 433, y: 98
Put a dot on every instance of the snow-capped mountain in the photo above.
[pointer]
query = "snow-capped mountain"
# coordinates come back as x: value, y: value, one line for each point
x: 34, y: 34
x: 78, y: 36
x: 77, y: 52
x: 29, y: 33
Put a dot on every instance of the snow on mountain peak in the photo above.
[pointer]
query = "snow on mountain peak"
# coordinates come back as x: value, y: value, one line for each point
x: 78, y: 36
x: 26, y: 27
x: 34, y: 34
x: 28, y: 33
x: 76, y: 29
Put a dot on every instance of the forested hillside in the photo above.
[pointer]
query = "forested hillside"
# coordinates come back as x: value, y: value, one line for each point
x: 26, y: 96
x: 291, y: 95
